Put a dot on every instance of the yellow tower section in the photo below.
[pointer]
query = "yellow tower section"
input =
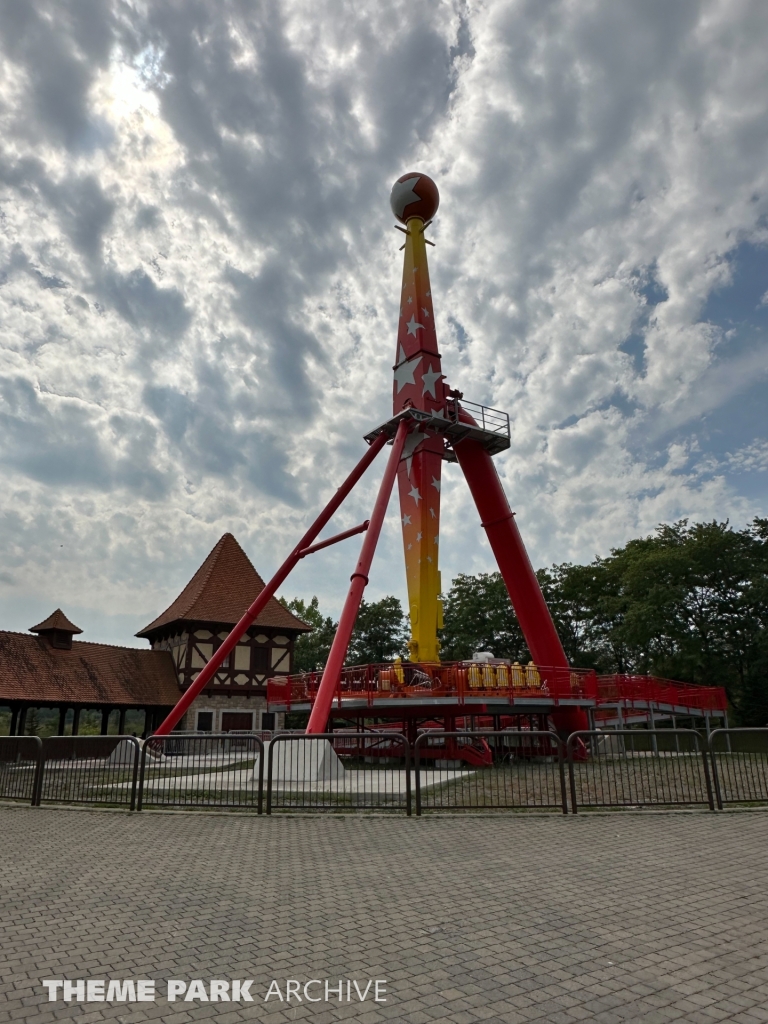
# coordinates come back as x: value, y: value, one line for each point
x: 418, y: 383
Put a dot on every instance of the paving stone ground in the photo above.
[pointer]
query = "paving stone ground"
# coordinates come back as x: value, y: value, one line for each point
x: 648, y: 917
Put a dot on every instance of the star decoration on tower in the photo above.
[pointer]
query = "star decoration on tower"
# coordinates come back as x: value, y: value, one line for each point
x: 425, y: 312
x: 436, y: 484
x: 403, y: 195
x: 413, y: 326
x: 432, y: 513
x: 412, y: 442
x: 414, y: 493
x: 418, y: 536
x: 406, y: 520
x: 430, y: 377
x: 404, y: 371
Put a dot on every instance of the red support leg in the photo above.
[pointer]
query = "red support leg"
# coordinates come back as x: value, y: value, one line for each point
x: 321, y: 709
x: 261, y: 601
x: 498, y: 520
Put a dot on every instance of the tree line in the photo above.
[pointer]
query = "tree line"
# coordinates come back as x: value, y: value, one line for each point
x: 689, y: 602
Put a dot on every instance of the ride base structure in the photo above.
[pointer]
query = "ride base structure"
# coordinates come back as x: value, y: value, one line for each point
x: 430, y: 424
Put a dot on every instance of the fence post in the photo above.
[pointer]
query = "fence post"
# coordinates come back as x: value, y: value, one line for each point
x: 561, y: 769
x: 135, y: 771
x: 274, y: 740
x: 417, y: 765
x: 571, y: 775
x: 704, y: 749
x: 715, y: 773
x: 260, y: 801
x: 407, y: 746
x: 140, y: 797
x: 37, y: 782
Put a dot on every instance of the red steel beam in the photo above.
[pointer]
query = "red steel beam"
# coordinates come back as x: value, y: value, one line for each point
x: 261, y: 601
x: 335, y: 539
x: 498, y: 521
x: 321, y: 709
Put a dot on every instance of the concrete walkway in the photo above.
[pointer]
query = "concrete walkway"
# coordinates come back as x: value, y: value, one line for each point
x: 644, y: 917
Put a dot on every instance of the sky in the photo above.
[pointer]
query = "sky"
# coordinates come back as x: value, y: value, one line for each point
x: 199, y: 278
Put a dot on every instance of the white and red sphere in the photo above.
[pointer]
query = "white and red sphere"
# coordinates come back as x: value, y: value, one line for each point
x: 414, y: 195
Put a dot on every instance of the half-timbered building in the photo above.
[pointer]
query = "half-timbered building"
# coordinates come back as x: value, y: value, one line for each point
x: 51, y: 669
x: 196, y: 624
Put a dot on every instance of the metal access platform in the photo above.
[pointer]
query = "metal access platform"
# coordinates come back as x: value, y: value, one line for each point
x: 490, y: 428
x: 400, y: 690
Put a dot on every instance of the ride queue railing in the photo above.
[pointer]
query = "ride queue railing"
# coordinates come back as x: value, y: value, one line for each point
x: 89, y: 770
x: 638, y: 768
x: 739, y: 765
x: 21, y: 765
x: 339, y: 771
x: 205, y: 771
x: 489, y: 769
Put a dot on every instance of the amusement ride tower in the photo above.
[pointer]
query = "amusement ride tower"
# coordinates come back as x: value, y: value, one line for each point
x: 430, y: 423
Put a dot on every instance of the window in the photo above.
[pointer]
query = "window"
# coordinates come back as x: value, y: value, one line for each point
x: 236, y: 721
x: 260, y: 660
x: 205, y: 721
x: 267, y: 720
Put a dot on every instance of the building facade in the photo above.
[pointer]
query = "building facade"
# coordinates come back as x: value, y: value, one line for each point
x: 51, y: 669
x: 198, y: 622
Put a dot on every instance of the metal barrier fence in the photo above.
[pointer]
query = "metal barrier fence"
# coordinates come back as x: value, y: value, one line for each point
x: 739, y: 765
x: 356, y: 771
x: 638, y: 768
x: 342, y: 771
x: 211, y: 770
x: 489, y: 770
x: 89, y: 770
x: 21, y: 762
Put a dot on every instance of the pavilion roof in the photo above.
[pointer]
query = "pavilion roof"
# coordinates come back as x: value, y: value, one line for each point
x: 220, y: 591
x: 31, y: 670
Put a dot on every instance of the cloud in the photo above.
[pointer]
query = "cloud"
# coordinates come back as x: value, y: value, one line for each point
x: 199, y: 276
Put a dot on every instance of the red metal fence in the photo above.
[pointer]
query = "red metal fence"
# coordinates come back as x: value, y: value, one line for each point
x: 627, y: 689
x: 458, y: 681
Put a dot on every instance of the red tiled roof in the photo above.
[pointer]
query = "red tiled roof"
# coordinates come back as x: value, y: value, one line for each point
x: 56, y: 620
x: 31, y: 670
x: 220, y: 591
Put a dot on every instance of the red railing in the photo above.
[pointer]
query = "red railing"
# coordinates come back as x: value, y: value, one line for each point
x: 460, y: 680
x: 454, y: 680
x: 628, y: 689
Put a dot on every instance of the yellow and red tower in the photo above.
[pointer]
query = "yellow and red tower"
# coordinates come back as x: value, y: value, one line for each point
x: 418, y: 384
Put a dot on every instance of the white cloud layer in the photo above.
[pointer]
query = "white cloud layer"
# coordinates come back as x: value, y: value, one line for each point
x: 199, y: 277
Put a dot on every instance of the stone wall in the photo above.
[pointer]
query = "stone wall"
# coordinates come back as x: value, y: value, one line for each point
x: 222, y: 703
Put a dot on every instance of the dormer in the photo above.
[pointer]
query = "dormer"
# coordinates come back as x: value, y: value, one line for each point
x: 57, y: 630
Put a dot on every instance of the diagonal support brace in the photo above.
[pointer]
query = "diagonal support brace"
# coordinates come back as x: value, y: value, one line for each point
x: 321, y: 709
x: 260, y: 603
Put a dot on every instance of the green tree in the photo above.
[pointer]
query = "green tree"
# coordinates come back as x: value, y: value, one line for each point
x: 689, y: 602
x: 380, y: 634
x: 310, y: 651
x: 478, y: 616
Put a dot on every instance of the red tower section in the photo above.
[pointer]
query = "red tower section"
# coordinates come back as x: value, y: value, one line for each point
x: 418, y: 384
